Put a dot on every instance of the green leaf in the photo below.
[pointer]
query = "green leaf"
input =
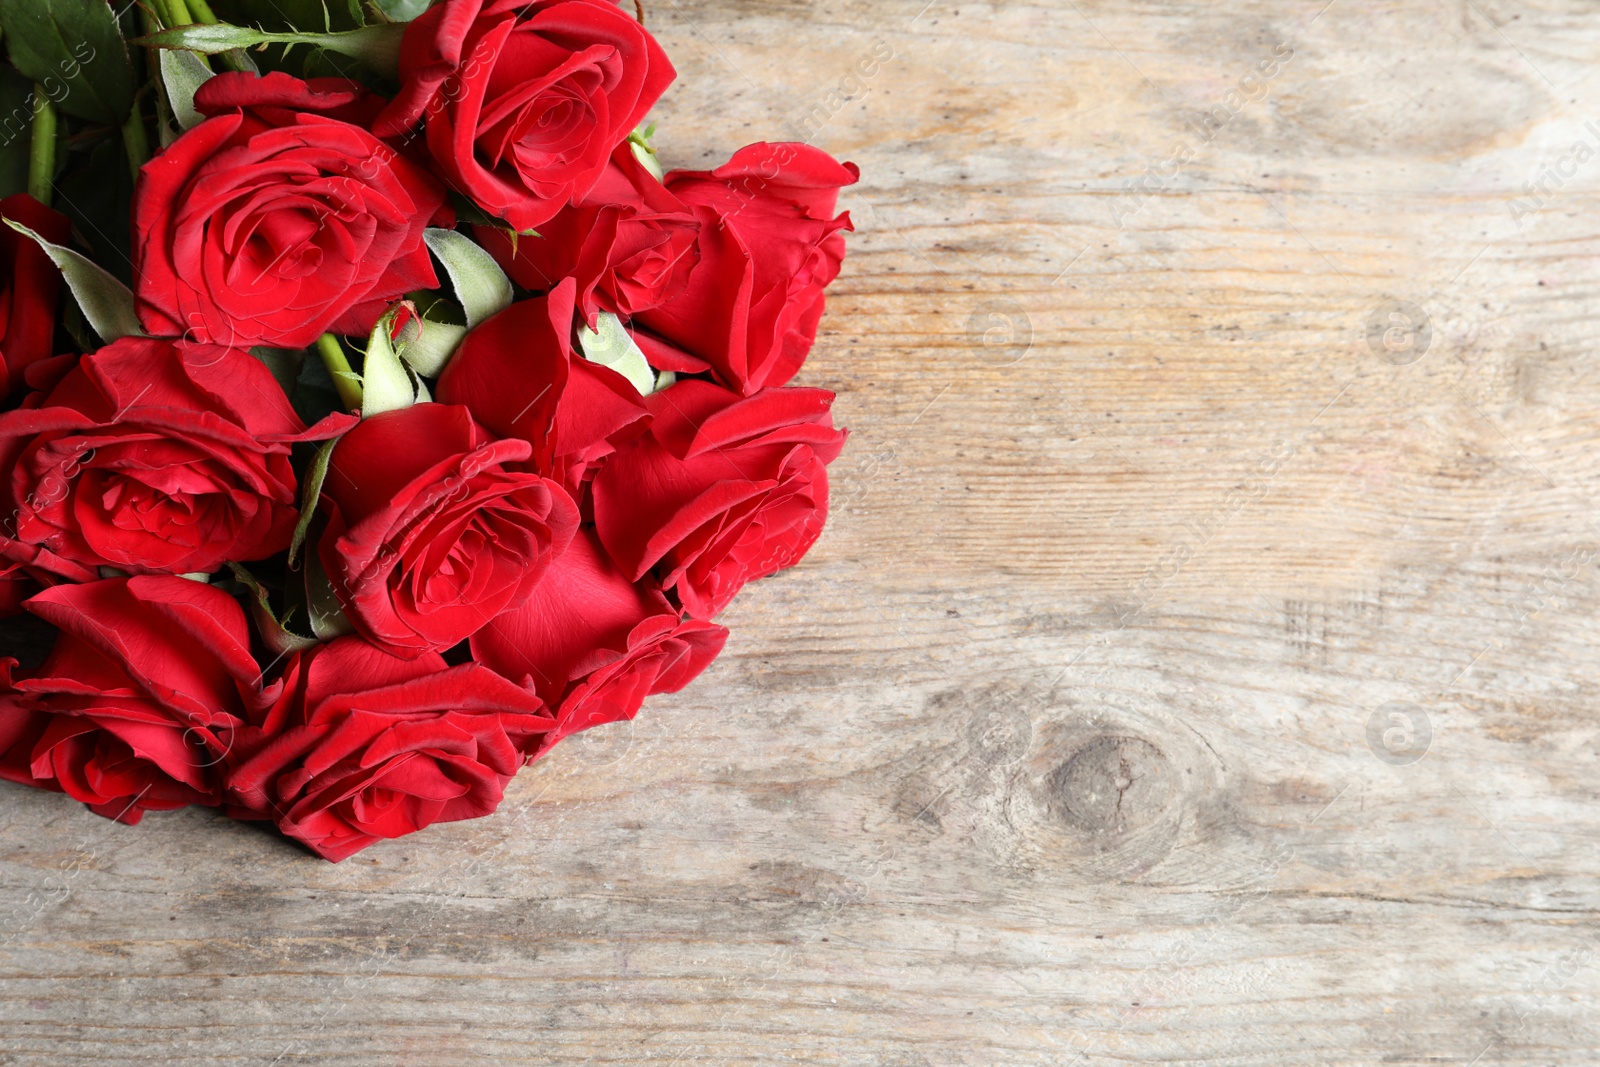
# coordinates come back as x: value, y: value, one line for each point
x: 322, y: 604
x: 432, y: 336
x: 386, y: 384
x: 106, y: 302
x: 432, y: 346
x: 481, y: 287
x: 284, y: 363
x: 314, y: 396
x: 611, y: 346
x: 16, y: 111
x: 273, y: 632
x: 73, y: 49
x: 183, y: 73
x: 401, y: 10
x: 377, y: 46
x: 78, y: 327
x: 645, y: 152
x: 310, y: 494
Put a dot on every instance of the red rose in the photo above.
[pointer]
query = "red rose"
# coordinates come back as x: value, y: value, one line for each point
x: 361, y: 746
x: 517, y: 375
x: 29, y: 285
x: 135, y: 707
x: 769, y: 244
x: 593, y: 644
x: 629, y: 243
x: 525, y: 101
x: 152, y: 456
x: 433, y: 529
x: 271, y: 223
x: 723, y: 489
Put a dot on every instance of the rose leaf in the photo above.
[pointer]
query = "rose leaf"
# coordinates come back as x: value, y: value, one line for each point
x: 106, y: 302
x: 482, y: 288
x: 73, y: 49
x: 386, y: 384
x: 183, y: 73
x: 611, y: 346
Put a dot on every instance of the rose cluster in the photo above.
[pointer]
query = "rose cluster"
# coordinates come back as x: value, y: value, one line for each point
x: 436, y: 424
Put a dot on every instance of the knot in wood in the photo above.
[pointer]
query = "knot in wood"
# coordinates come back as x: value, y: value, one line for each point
x: 1112, y: 785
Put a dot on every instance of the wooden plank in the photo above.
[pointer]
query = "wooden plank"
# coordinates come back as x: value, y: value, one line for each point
x: 1082, y: 737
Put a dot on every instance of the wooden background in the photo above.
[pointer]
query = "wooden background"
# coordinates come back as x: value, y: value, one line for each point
x: 1089, y: 732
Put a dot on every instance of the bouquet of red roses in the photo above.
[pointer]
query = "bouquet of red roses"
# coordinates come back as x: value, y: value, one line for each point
x: 410, y: 418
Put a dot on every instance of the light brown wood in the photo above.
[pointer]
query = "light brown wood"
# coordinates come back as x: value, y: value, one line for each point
x: 1083, y: 735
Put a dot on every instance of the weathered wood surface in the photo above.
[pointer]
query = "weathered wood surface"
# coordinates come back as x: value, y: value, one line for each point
x: 1056, y: 750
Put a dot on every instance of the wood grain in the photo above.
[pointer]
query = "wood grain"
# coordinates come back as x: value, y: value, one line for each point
x: 1086, y: 734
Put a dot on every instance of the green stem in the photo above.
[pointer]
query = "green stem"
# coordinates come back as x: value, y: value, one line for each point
x: 180, y: 15
x: 346, y: 381
x: 201, y: 12
x: 164, y: 121
x: 42, y: 152
x: 377, y: 45
x: 135, y: 140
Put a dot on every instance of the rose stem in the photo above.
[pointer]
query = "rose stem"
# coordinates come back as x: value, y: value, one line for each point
x: 234, y: 58
x: 346, y: 381
x: 135, y: 140
x: 158, y: 88
x: 182, y: 15
x: 42, y: 152
x: 177, y: 13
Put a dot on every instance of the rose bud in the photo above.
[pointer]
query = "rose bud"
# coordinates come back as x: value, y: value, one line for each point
x: 361, y: 746
x: 629, y: 243
x: 29, y: 285
x: 769, y: 244
x: 276, y: 220
x: 136, y: 707
x: 524, y: 102
x: 434, y: 528
x: 152, y: 456
x: 593, y: 644
x: 723, y: 489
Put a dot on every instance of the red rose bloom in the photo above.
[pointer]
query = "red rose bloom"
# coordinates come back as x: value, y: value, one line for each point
x: 524, y: 102
x: 135, y: 708
x: 629, y: 243
x: 275, y: 221
x: 518, y: 376
x: 723, y: 489
x: 769, y: 244
x: 432, y: 528
x: 29, y: 285
x: 361, y: 746
x: 152, y: 456
x: 593, y: 644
